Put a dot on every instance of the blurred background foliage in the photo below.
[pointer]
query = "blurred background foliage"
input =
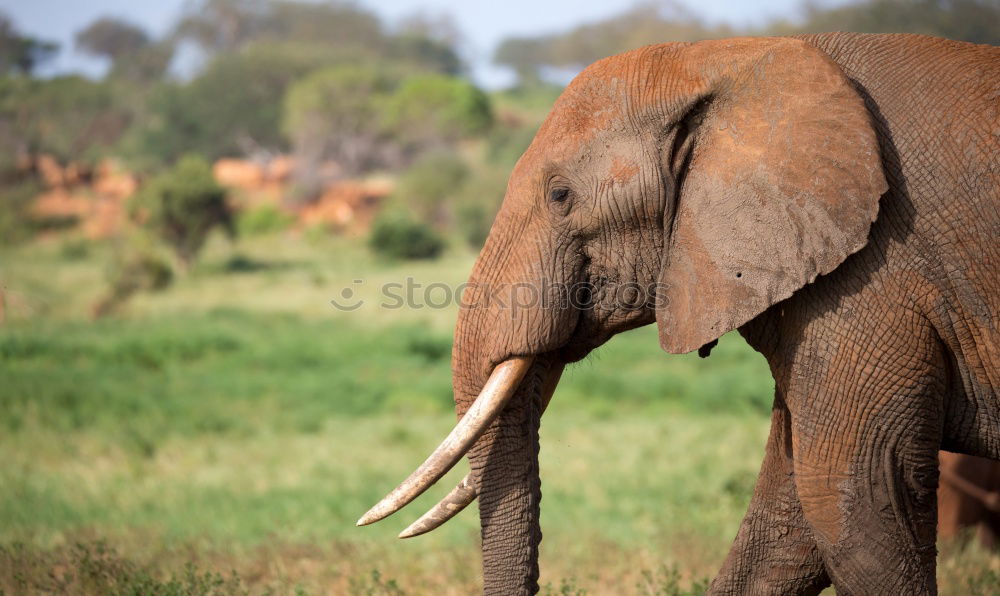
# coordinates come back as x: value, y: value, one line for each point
x: 345, y: 95
x: 646, y: 23
x: 172, y: 396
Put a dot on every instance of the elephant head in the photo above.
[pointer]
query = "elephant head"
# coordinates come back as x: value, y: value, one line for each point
x: 694, y: 185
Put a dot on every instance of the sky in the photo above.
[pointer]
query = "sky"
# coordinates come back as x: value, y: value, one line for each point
x: 483, y: 23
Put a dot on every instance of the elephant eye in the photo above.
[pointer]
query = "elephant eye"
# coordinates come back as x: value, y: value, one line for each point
x: 559, y: 195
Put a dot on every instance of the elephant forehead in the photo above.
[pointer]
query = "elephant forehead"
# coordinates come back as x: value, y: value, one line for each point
x: 609, y: 102
x: 576, y: 121
x: 623, y: 169
x: 620, y: 94
x: 604, y: 160
x: 595, y: 102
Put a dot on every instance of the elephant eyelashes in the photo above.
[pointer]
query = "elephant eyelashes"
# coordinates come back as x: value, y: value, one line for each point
x: 560, y: 201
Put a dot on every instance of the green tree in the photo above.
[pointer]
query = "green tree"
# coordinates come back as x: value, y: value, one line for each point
x: 336, y: 114
x: 133, y: 55
x: 433, y: 110
x: 227, y: 26
x: 525, y: 56
x: 69, y: 117
x: 183, y: 205
x: 19, y: 53
x: 255, y: 50
x: 111, y: 38
x: 429, y: 41
x: 429, y: 186
x: 395, y: 234
x: 134, y: 268
x: 363, y: 118
x: 220, y: 25
x: 977, y: 21
x: 234, y: 107
x: 645, y: 23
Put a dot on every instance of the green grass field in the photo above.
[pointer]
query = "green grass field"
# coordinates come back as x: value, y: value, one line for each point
x: 224, y: 435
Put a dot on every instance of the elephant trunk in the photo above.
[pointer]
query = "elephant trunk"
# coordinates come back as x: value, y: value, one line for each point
x: 503, y: 322
x: 504, y: 315
x: 505, y: 470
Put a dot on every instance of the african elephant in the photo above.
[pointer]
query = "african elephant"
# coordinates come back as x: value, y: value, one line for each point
x: 968, y: 498
x: 835, y: 198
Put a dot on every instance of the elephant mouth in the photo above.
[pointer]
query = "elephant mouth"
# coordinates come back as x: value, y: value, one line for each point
x: 590, y: 332
x: 503, y: 383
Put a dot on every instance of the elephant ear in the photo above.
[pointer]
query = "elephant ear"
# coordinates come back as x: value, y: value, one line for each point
x: 778, y: 180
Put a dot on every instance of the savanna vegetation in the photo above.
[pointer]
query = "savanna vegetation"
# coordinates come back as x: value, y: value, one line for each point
x: 184, y: 409
x: 224, y: 435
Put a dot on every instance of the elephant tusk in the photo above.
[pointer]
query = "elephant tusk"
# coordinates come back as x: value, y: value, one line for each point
x: 466, y: 492
x: 497, y: 391
x: 447, y: 508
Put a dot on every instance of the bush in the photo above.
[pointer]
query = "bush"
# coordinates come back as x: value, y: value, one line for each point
x: 334, y: 114
x: 426, y: 187
x: 264, y: 219
x: 138, y: 271
x: 474, y: 222
x: 433, y: 109
x: 16, y: 224
x: 205, y: 116
x: 397, y: 235
x: 68, y: 117
x: 505, y: 144
x: 183, y: 205
x: 99, y: 568
x: 478, y: 203
x: 75, y: 249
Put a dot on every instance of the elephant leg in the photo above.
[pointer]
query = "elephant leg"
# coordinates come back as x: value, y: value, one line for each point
x: 866, y: 469
x: 774, y: 552
x: 875, y: 521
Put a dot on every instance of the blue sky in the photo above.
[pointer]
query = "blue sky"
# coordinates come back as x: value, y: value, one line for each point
x: 483, y: 23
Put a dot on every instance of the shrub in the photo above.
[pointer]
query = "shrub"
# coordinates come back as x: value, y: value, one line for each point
x: 183, y: 205
x: 16, y: 224
x: 397, y: 235
x: 75, y: 249
x: 433, y: 108
x: 99, y: 568
x: 478, y: 203
x: 334, y: 114
x: 68, y: 117
x: 264, y: 219
x: 474, y: 221
x: 426, y: 187
x: 506, y: 144
x: 138, y: 271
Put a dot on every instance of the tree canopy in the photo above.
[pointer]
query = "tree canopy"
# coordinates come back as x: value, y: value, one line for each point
x: 531, y: 58
x: 111, y: 38
x: 20, y: 53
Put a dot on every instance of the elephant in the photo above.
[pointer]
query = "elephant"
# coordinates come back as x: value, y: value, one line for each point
x: 836, y: 199
x: 969, y: 498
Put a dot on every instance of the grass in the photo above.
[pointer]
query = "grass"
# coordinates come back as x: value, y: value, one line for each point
x: 223, y: 436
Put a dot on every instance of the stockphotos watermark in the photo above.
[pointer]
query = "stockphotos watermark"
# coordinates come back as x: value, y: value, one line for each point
x: 413, y: 295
